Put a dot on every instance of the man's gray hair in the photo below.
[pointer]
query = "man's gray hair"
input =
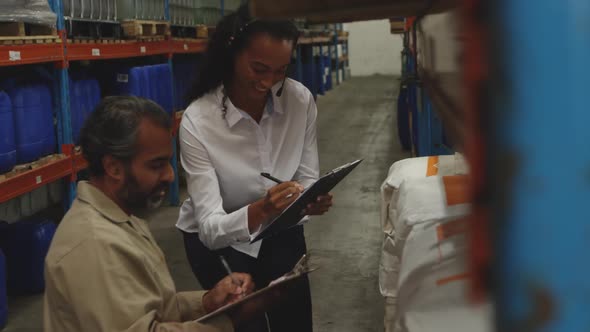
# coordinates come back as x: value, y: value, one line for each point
x: 113, y: 127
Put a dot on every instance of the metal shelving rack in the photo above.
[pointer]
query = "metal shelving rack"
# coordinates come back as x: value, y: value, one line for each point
x: 62, y: 54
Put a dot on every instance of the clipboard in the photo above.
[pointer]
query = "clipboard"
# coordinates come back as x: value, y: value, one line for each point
x: 302, y: 268
x: 292, y: 214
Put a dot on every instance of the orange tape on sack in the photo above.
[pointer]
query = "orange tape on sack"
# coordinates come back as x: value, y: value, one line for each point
x: 432, y: 167
x: 456, y: 189
x: 457, y: 277
x: 451, y: 228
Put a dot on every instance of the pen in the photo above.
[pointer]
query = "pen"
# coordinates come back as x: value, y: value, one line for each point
x: 272, y: 178
x: 230, y: 273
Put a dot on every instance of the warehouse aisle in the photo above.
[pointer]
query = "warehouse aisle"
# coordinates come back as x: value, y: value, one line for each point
x: 356, y: 120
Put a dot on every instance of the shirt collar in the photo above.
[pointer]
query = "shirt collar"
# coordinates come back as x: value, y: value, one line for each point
x: 234, y: 115
x: 99, y: 201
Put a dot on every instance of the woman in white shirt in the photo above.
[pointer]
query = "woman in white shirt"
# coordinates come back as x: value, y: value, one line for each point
x: 247, y: 118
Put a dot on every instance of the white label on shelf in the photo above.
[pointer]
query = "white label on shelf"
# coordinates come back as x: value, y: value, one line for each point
x: 96, y: 52
x: 142, y: 49
x: 185, y: 47
x: 38, y: 179
x: 14, y: 55
x: 122, y: 78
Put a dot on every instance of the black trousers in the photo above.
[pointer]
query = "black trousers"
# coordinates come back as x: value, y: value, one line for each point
x: 277, y: 256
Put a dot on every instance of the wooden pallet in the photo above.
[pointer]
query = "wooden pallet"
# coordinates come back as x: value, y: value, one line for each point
x: 19, y: 169
x: 139, y: 28
x: 95, y: 41
x: 191, y: 32
x: 151, y: 38
x: 28, y: 40
x: 22, y: 29
x: 15, y: 33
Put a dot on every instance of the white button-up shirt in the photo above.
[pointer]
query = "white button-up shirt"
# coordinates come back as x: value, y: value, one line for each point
x: 223, y: 159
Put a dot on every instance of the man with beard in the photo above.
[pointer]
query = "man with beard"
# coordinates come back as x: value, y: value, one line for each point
x: 104, y: 270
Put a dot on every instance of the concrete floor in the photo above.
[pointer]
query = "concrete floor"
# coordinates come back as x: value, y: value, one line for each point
x: 356, y: 120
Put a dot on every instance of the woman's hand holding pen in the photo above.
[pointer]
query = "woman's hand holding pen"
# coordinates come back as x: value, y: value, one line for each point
x: 273, y: 203
x: 281, y: 196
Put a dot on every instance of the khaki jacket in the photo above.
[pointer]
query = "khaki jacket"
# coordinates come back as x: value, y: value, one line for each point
x: 105, y: 272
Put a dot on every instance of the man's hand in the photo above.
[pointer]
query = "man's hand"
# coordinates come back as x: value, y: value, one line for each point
x: 228, y: 290
x: 320, y: 206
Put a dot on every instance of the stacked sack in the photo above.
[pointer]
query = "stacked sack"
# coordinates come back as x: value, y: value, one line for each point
x: 433, y: 282
x: 407, y: 169
x: 419, y: 197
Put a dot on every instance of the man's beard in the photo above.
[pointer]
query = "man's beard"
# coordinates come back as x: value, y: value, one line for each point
x: 136, y: 199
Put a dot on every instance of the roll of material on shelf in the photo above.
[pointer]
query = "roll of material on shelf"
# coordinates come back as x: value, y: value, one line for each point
x: 25, y: 244
x: 33, y: 122
x: 7, y: 141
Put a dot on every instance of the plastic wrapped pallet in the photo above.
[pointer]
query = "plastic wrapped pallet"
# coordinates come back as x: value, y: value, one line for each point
x: 28, y: 11
x: 420, y: 200
x: 433, y: 282
x: 207, y: 12
x: 95, y: 10
x: 141, y: 10
x: 231, y: 6
x: 31, y: 203
x: 414, y: 168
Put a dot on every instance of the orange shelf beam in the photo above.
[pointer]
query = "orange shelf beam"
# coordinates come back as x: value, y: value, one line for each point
x: 125, y: 49
x: 184, y: 46
x: 11, y: 55
x: 21, y: 54
x: 28, y: 181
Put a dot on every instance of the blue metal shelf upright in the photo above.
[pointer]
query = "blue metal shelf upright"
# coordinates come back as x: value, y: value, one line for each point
x: 61, y: 85
x: 538, y: 137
